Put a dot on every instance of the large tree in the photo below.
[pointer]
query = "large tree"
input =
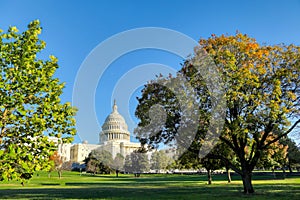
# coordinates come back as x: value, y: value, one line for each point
x: 261, y: 90
x: 30, y: 107
x: 262, y: 95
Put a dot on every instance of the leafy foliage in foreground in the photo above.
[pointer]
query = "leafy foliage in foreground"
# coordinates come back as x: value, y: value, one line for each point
x: 30, y: 107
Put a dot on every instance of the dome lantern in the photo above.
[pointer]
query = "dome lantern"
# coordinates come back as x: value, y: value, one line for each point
x: 115, y: 107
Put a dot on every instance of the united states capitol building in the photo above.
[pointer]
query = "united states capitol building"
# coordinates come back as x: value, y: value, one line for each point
x: 114, y: 138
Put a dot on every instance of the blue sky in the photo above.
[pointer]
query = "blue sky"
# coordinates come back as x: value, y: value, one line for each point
x: 72, y: 29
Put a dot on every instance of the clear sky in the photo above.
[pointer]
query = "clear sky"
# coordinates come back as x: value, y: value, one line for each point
x: 72, y: 29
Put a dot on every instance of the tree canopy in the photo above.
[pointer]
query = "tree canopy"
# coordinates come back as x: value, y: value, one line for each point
x: 99, y: 161
x: 137, y: 162
x: 118, y: 162
x: 293, y: 153
x: 159, y: 160
x: 261, y: 90
x: 30, y: 107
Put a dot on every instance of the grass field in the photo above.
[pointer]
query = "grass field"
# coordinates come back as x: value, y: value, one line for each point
x: 74, y: 186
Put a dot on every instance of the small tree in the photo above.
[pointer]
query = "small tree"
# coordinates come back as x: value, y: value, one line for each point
x: 190, y: 159
x: 293, y: 153
x: 57, y: 164
x: 91, y: 165
x: 118, y: 163
x: 137, y: 163
x: 210, y: 165
x: 274, y: 156
x: 229, y: 155
x: 159, y: 160
x: 128, y: 164
x: 99, y: 161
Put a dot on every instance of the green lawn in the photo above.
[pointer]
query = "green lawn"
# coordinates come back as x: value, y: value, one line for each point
x: 74, y: 186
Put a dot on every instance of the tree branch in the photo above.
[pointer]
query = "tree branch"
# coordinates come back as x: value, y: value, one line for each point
x: 227, y: 142
x: 266, y: 133
x: 282, y: 135
x: 252, y: 151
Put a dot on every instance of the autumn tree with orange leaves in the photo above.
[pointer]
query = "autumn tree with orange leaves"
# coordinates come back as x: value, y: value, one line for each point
x: 262, y: 92
x: 275, y: 155
x: 262, y: 96
x: 56, y: 163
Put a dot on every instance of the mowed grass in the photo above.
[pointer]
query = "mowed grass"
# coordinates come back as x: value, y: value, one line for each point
x: 76, y: 186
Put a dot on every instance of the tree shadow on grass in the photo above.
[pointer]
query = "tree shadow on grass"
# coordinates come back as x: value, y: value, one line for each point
x: 153, y: 192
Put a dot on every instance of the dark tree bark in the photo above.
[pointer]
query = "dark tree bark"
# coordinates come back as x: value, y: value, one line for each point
x: 247, y: 182
x: 209, y: 177
x: 94, y: 173
x: 274, y: 174
x: 59, y: 173
x: 290, y: 168
x: 283, y: 172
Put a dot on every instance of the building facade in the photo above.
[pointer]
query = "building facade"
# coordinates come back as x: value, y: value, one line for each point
x: 114, y: 138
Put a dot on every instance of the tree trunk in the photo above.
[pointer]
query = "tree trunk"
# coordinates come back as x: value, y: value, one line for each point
x: 274, y: 174
x: 228, y: 174
x: 59, y: 173
x: 247, y: 182
x: 283, y: 173
x: 95, y: 168
x: 209, y: 178
x: 290, y: 168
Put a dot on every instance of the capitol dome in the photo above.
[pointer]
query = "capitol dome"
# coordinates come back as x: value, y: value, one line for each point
x: 114, y: 127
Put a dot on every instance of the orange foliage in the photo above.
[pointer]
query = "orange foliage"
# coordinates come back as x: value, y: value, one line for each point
x: 56, y: 159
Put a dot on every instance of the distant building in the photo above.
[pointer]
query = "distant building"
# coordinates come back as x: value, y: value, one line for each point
x: 114, y: 138
x: 63, y: 149
x: 78, y: 152
x: 64, y: 152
